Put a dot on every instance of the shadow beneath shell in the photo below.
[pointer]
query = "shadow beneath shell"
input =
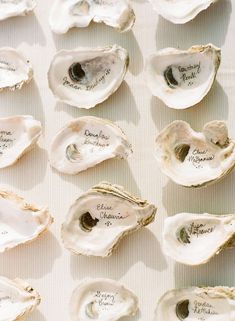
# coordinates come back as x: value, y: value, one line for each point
x: 32, y: 260
x: 131, y: 250
x: 196, y: 32
x: 36, y: 316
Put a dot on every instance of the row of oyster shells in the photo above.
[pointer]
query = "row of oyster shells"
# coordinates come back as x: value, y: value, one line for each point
x: 117, y: 14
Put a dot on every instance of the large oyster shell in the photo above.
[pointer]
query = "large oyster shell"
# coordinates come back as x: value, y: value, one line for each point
x: 18, y: 135
x: 85, y: 142
x: 197, y: 303
x: 20, y: 222
x: 180, y: 11
x: 195, y: 159
x: 102, y: 300
x: 18, y: 299
x: 86, y: 77
x: 15, y: 69
x: 101, y: 217
x: 182, y: 78
x: 12, y: 8
x: 79, y: 13
x: 185, y: 236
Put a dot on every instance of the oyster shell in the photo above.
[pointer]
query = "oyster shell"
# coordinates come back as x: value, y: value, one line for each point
x: 12, y: 8
x: 86, y: 77
x: 18, y: 135
x: 17, y: 298
x: 182, y: 78
x: 79, y: 13
x: 102, y: 300
x: 197, y: 303
x: 85, y: 142
x: 185, y: 234
x: 101, y: 217
x: 180, y: 11
x: 20, y: 222
x: 195, y: 159
x: 15, y: 69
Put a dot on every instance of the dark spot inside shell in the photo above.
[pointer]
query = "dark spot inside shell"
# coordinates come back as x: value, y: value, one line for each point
x: 182, y: 310
x: 181, y: 151
x: 72, y: 153
x: 168, y: 75
x: 183, y: 236
x: 76, y: 73
x: 87, y: 222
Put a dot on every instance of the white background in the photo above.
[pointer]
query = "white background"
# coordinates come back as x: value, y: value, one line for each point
x: 139, y: 261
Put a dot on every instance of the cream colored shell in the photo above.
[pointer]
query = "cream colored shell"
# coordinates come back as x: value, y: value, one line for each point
x: 85, y: 142
x: 180, y: 11
x: 85, y: 77
x: 15, y: 69
x: 182, y: 78
x: 20, y: 222
x: 197, y: 303
x: 195, y: 159
x: 18, y: 135
x: 102, y: 300
x: 80, y: 13
x: 100, y: 218
x: 18, y: 299
x: 12, y: 8
x: 185, y: 236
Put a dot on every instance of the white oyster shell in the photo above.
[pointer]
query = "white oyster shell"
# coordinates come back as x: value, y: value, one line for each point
x: 20, y: 222
x: 85, y: 142
x: 180, y: 11
x: 194, y: 303
x: 15, y: 69
x: 185, y: 236
x: 101, y: 217
x: 182, y: 78
x: 102, y: 300
x: 86, y: 77
x: 18, y: 135
x: 195, y: 159
x: 17, y: 299
x: 12, y: 8
x: 79, y: 13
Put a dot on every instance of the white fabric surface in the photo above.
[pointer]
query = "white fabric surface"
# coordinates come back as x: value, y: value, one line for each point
x: 139, y: 262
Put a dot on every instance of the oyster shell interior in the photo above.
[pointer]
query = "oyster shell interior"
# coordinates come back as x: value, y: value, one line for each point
x: 102, y: 300
x: 195, y: 159
x: 85, y: 142
x: 12, y: 8
x: 101, y: 217
x: 18, y: 135
x: 180, y: 11
x: 182, y: 78
x: 185, y: 236
x: 15, y: 69
x: 20, y: 222
x: 79, y: 13
x: 17, y: 299
x: 86, y: 77
x: 194, y: 304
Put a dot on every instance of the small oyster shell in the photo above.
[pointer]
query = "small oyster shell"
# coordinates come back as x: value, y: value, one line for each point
x: 17, y: 298
x: 20, y: 222
x: 195, y: 159
x: 79, y: 13
x: 85, y: 142
x: 197, y: 303
x: 182, y: 78
x: 12, y: 8
x: 185, y: 235
x: 180, y: 11
x: 102, y: 300
x: 18, y: 135
x: 86, y: 77
x: 101, y: 217
x: 15, y: 69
